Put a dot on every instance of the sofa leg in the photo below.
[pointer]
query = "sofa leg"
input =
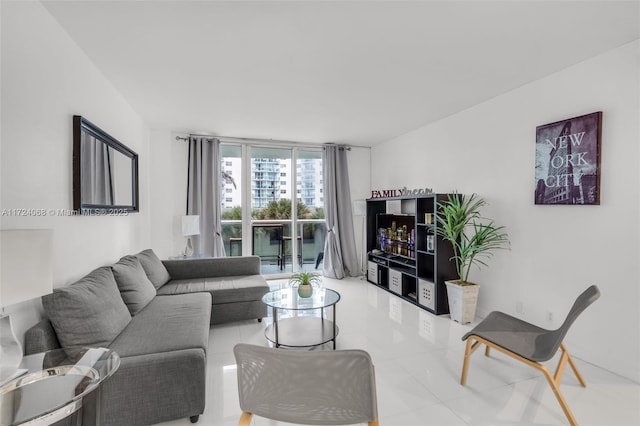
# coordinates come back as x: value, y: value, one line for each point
x: 194, y: 419
x: 259, y: 319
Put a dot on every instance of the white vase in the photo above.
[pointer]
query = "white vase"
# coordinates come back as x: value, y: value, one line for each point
x: 10, y: 350
x: 463, y: 300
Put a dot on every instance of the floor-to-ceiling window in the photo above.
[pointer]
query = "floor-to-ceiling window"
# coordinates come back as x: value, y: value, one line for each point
x: 271, y: 207
x: 231, y: 198
x: 262, y: 188
x: 310, y: 208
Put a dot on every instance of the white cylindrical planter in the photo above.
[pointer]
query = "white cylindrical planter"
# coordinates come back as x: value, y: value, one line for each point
x: 463, y: 300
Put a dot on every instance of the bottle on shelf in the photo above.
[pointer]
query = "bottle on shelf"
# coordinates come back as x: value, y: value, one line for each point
x: 411, y: 240
x: 381, y: 239
x: 431, y: 242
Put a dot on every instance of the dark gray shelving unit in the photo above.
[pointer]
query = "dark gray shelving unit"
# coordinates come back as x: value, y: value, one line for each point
x: 414, y: 271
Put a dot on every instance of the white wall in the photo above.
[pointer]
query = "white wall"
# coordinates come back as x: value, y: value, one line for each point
x: 168, y: 192
x: 46, y: 79
x: 557, y: 251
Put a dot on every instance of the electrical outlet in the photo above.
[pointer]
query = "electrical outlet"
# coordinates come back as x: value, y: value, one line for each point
x: 519, y: 307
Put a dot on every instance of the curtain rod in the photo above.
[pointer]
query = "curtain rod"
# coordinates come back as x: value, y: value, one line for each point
x: 270, y: 141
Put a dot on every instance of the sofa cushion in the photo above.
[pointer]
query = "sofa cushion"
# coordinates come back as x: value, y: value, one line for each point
x: 168, y: 323
x: 135, y: 288
x: 153, y: 267
x: 89, y: 312
x: 233, y: 266
x: 223, y: 289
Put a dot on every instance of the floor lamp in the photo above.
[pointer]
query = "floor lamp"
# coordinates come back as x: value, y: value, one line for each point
x: 360, y: 209
x: 190, y: 227
x: 25, y: 273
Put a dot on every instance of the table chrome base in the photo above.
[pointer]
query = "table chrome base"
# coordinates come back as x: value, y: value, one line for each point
x: 302, y: 332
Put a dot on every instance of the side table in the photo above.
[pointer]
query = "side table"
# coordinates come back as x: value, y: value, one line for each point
x: 302, y: 331
x: 55, y: 385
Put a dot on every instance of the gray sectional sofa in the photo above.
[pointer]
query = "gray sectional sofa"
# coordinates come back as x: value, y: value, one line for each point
x: 156, y: 316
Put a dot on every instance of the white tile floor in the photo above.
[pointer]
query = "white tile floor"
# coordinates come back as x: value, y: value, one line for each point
x: 418, y: 358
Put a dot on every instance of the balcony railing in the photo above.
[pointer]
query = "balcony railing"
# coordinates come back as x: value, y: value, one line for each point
x: 277, y: 255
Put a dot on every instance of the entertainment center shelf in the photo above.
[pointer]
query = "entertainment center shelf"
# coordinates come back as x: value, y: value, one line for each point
x: 405, y: 255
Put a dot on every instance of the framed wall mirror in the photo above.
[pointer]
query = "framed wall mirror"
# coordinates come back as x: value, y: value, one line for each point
x: 105, y: 172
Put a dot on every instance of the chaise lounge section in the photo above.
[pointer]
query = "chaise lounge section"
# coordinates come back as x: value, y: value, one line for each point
x: 235, y: 285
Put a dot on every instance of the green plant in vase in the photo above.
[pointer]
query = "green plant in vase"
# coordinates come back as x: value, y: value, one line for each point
x: 305, y: 281
x: 473, y: 238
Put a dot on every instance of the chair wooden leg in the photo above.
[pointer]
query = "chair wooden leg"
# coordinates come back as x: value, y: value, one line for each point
x: 555, y: 386
x: 374, y: 422
x: 245, y: 419
x: 564, y: 358
x: 554, y: 380
x: 562, y: 363
x: 573, y: 366
x: 465, y: 365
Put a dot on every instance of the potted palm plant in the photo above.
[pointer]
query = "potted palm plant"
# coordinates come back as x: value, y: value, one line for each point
x: 474, y: 238
x: 305, y: 281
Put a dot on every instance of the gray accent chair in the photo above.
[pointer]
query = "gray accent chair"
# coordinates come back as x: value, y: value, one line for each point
x: 529, y: 343
x: 313, y: 388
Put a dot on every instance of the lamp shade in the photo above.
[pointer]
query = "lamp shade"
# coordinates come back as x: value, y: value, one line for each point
x: 26, y: 264
x: 190, y: 225
x: 359, y: 208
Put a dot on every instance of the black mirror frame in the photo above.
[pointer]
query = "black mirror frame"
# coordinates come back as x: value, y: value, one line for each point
x: 81, y: 124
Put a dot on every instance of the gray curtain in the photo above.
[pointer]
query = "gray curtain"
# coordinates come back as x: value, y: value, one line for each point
x: 340, y: 257
x: 203, y: 195
x: 96, y: 171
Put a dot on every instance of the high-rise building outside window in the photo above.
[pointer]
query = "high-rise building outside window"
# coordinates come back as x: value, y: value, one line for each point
x: 275, y: 194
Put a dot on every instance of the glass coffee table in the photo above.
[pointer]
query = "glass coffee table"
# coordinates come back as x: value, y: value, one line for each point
x: 55, y: 385
x: 300, y: 330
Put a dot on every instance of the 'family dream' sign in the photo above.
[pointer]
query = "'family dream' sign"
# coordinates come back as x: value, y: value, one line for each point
x: 568, y: 161
x: 384, y: 193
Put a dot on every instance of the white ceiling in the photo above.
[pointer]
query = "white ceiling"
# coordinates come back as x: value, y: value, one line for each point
x: 358, y: 72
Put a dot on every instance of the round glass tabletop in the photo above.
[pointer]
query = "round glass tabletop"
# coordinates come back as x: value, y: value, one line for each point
x: 287, y: 298
x: 55, y: 383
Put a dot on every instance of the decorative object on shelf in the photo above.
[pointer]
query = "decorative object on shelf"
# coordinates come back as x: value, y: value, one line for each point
x: 190, y: 226
x: 25, y: 273
x: 431, y: 242
x: 305, y: 281
x: 404, y: 192
x: 396, y: 234
x: 472, y: 237
x: 568, y: 161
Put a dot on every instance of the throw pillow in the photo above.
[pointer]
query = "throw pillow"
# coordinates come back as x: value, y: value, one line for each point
x: 89, y: 312
x: 154, y: 268
x: 135, y: 288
